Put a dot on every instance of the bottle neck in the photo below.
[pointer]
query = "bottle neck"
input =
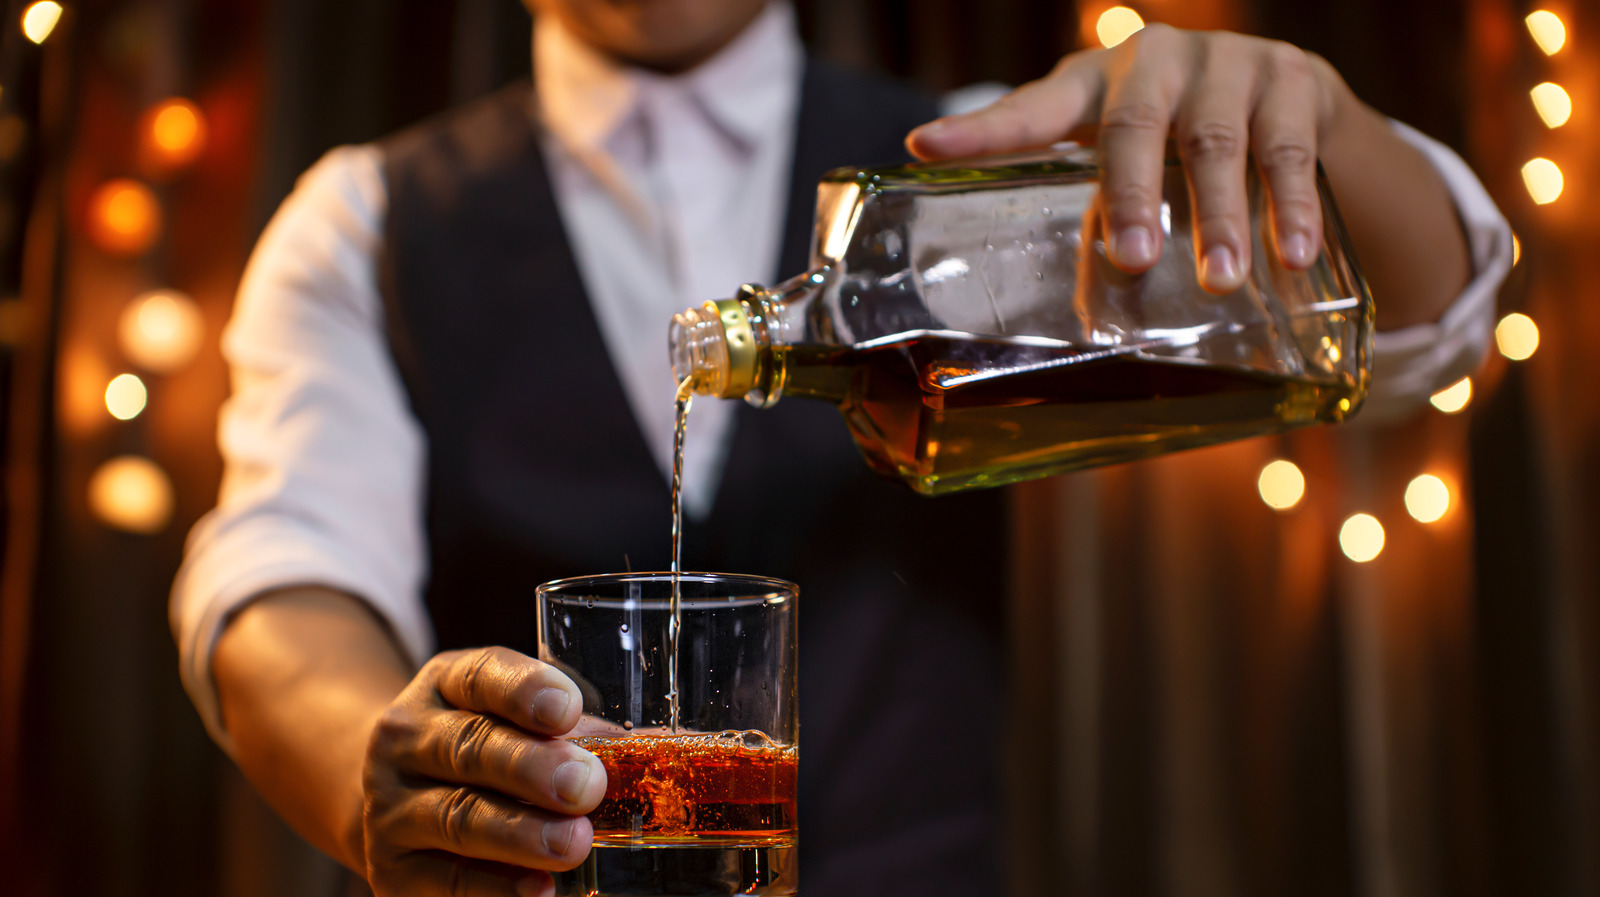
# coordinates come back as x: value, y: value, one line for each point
x: 725, y: 347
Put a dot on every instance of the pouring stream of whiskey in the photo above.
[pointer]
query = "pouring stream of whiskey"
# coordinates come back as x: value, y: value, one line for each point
x: 684, y: 399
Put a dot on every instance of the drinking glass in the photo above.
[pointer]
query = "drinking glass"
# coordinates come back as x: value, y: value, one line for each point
x: 706, y: 807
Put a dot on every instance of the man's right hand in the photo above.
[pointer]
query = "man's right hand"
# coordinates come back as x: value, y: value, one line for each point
x: 468, y: 791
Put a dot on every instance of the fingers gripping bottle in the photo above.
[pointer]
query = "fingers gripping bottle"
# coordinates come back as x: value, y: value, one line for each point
x: 967, y: 322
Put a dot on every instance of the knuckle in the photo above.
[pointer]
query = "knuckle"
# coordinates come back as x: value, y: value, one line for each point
x: 474, y: 676
x: 1142, y: 117
x: 1217, y: 224
x: 1284, y: 58
x: 1130, y: 200
x: 466, y: 744
x: 1154, y: 34
x: 1296, y: 208
x: 1212, y: 141
x: 456, y: 811
x: 1287, y: 155
x: 395, y: 727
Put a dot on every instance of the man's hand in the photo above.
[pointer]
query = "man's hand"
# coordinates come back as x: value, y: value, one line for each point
x: 1219, y: 94
x: 468, y: 791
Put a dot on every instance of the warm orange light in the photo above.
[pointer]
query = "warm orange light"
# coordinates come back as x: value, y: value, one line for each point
x: 1116, y: 25
x: 1547, y: 31
x: 161, y: 331
x: 1454, y: 397
x: 1517, y: 336
x: 1516, y: 250
x: 40, y: 19
x: 1427, y: 498
x: 1543, y: 179
x: 13, y: 322
x: 1552, y: 104
x: 174, y: 132
x: 1281, y: 485
x: 131, y: 493
x: 124, y: 218
x: 125, y: 396
x: 1361, y: 538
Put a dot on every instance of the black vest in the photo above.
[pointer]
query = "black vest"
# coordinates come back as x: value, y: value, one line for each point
x: 537, y: 470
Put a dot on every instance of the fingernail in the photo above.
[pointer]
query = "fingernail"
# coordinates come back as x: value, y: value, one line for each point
x: 558, y: 836
x: 550, y: 705
x: 1220, y: 268
x: 1296, y: 249
x: 570, y: 779
x: 1134, y: 246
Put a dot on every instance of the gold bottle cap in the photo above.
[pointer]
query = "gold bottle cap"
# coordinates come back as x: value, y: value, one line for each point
x: 741, y: 344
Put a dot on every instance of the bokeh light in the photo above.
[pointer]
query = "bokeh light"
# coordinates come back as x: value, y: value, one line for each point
x: 1517, y: 336
x: 1361, y: 538
x: 131, y: 493
x: 161, y: 331
x: 1454, y: 397
x: 1116, y: 25
x: 125, y: 396
x: 40, y: 19
x: 174, y: 132
x: 1547, y: 31
x: 1552, y: 104
x: 124, y: 217
x: 1427, y: 498
x: 1516, y: 250
x: 1543, y: 179
x: 1281, y: 485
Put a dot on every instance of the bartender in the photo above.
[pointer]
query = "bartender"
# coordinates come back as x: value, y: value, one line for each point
x: 451, y: 384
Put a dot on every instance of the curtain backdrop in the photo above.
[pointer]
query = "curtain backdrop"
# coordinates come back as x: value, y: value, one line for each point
x: 1207, y: 697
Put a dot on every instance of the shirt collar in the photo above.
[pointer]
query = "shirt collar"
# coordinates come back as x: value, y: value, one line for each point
x: 585, y: 96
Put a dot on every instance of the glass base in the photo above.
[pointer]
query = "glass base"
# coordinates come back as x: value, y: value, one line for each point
x: 682, y: 872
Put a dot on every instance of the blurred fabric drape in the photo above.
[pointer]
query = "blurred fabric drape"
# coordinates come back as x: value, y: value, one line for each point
x: 1207, y: 697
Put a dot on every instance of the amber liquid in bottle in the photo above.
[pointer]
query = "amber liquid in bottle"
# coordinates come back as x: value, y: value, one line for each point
x: 946, y: 412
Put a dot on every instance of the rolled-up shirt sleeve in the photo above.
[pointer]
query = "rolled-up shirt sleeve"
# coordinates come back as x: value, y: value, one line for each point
x: 323, y: 460
x: 1412, y: 363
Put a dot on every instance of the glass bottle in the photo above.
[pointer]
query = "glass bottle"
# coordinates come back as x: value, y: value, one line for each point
x: 967, y: 322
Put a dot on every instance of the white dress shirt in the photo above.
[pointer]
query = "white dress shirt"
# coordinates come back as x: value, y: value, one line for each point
x: 672, y: 191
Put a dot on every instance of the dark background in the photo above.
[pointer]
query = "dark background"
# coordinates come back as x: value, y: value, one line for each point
x: 1424, y: 726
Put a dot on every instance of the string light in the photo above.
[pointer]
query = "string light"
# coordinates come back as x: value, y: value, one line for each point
x: 174, y: 132
x: 1517, y: 336
x: 1516, y: 250
x: 131, y: 493
x: 40, y: 19
x: 1552, y: 104
x: 1361, y: 538
x: 125, y: 396
x: 1281, y: 485
x: 1543, y: 179
x: 1547, y: 31
x: 1427, y: 498
x: 1454, y: 397
x: 1116, y: 25
x: 161, y: 331
x: 124, y: 218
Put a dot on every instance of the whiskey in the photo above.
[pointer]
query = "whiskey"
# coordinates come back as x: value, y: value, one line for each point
x: 681, y: 403
x: 946, y: 412
x: 695, y: 790
x: 968, y: 321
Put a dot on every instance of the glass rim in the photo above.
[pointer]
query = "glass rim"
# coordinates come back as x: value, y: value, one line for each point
x: 763, y: 588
